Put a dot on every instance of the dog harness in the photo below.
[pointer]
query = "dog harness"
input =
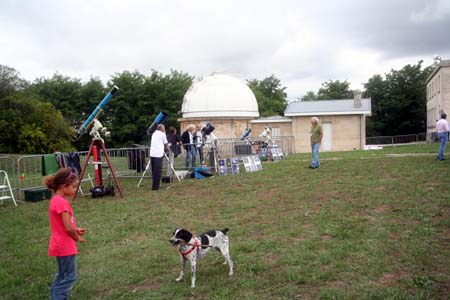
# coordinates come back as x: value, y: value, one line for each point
x: 184, y: 254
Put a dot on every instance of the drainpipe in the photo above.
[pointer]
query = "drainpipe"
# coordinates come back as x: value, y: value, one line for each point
x: 360, y: 132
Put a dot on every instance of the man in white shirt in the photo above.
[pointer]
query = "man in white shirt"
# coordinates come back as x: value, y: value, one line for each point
x: 158, y: 145
x: 200, y: 144
x: 442, y: 129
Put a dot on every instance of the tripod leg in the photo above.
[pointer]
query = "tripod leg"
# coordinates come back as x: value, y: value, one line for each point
x: 116, y: 181
x: 143, y: 174
x: 170, y: 165
x: 84, y: 169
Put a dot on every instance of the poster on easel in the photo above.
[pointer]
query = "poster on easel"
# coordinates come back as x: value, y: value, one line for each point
x: 257, y: 163
x: 228, y: 165
x: 235, y: 165
x: 276, y: 153
x: 222, y: 167
x: 252, y: 163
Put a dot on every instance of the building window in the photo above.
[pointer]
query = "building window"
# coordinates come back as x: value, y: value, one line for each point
x: 276, y: 132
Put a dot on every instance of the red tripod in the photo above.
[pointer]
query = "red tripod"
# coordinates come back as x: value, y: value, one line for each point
x: 94, y: 150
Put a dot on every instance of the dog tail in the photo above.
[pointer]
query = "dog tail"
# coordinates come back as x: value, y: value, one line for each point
x: 225, y: 230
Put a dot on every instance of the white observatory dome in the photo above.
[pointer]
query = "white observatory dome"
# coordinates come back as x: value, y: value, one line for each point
x: 219, y: 95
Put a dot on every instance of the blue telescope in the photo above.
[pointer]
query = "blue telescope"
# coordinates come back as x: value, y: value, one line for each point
x: 246, y: 134
x: 160, y: 118
x: 84, y: 128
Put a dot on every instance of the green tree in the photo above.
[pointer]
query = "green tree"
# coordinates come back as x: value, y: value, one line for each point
x: 64, y: 93
x: 140, y: 99
x: 376, y: 88
x: 30, y: 125
x: 270, y: 94
x: 398, y: 101
x: 309, y: 96
x: 332, y: 90
x: 10, y: 81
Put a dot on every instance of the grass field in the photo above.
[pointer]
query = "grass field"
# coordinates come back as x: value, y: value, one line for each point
x: 367, y: 225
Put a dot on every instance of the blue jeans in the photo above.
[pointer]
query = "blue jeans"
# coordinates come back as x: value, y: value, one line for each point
x: 190, y: 154
x: 315, y: 155
x: 443, y: 138
x: 200, y: 154
x: 65, y: 277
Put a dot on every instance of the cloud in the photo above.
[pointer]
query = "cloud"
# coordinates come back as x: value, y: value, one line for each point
x: 302, y: 43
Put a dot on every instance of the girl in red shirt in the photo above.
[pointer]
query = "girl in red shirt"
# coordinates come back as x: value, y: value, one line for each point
x: 64, y: 231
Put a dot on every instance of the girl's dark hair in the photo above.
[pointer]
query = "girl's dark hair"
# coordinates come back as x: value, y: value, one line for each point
x: 63, y: 177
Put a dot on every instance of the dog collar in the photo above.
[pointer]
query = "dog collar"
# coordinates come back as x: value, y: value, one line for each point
x: 184, y: 254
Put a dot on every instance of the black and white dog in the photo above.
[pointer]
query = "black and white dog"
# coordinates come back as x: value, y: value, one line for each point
x: 193, y: 248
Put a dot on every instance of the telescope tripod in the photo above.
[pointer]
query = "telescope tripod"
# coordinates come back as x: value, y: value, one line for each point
x: 169, y: 165
x: 213, y: 156
x: 97, y: 145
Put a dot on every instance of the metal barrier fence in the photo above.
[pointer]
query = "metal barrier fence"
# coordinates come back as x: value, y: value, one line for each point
x: 402, y: 139
x: 7, y: 163
x: 25, y: 172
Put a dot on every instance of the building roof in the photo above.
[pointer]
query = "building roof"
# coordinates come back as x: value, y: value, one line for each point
x: 328, y: 107
x: 272, y: 119
x: 443, y: 63
x: 219, y: 95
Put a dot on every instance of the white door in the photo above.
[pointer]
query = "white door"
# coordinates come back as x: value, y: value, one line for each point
x: 327, y: 140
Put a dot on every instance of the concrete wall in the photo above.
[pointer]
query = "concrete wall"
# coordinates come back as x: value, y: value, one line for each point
x: 438, y: 97
x: 285, y: 128
x: 348, y: 132
x: 224, y: 128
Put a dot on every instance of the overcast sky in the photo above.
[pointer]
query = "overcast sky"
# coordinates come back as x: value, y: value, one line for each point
x: 303, y: 43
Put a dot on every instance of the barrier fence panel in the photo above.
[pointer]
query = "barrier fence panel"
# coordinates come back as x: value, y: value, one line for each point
x: 26, y: 172
x: 402, y: 139
x: 7, y: 164
x: 29, y: 171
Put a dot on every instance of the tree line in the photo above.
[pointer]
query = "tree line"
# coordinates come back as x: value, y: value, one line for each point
x: 39, y: 116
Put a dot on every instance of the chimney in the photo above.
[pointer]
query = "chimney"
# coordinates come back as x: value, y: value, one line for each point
x: 357, y: 99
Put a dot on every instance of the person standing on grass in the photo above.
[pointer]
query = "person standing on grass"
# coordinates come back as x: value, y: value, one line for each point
x: 442, y: 130
x: 316, y: 138
x: 64, y: 231
x: 158, y: 145
x: 175, y: 141
x: 188, y: 143
x: 199, y: 144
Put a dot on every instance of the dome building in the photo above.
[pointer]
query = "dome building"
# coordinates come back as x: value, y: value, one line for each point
x: 222, y: 100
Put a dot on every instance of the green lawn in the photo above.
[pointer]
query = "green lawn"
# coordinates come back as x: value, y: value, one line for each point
x: 367, y: 225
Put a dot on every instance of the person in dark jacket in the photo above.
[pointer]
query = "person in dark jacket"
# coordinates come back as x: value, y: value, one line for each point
x: 189, y: 145
x: 175, y: 142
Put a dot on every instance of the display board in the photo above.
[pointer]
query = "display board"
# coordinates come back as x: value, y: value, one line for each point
x: 252, y: 163
x: 229, y: 166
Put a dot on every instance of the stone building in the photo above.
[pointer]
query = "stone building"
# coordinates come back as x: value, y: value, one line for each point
x: 224, y: 101
x: 343, y: 123
x: 438, y: 95
x: 231, y: 107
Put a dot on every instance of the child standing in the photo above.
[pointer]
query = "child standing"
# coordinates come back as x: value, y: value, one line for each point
x: 64, y: 231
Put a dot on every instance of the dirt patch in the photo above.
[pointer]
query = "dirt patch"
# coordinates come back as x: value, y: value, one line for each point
x: 326, y: 237
x: 337, y: 283
x: 146, y: 285
x: 296, y: 239
x: 101, y: 293
x: 390, y: 278
x: 309, y: 225
x: 383, y: 208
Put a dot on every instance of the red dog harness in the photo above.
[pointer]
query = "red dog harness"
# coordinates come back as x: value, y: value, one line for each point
x: 190, y: 250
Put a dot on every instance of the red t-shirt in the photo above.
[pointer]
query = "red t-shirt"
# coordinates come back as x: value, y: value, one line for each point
x: 61, y: 243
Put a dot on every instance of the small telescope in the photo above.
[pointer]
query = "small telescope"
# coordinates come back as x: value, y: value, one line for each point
x: 246, y: 134
x: 207, y: 133
x: 160, y: 118
x: 90, y: 120
x: 207, y: 129
x: 266, y: 132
